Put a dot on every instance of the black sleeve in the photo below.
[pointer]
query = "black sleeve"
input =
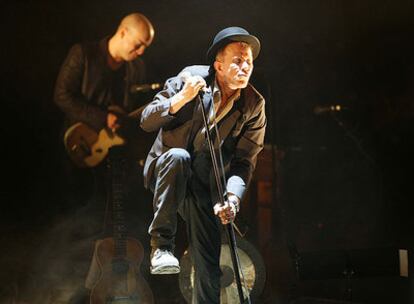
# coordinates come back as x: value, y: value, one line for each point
x: 68, y: 92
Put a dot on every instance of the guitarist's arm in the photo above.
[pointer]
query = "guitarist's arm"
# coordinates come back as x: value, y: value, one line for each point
x: 68, y: 93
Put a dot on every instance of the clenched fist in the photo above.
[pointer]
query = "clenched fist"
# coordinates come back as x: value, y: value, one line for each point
x: 227, y: 212
x: 192, y: 85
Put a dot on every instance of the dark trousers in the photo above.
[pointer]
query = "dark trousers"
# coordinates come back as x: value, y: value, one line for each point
x: 179, y: 189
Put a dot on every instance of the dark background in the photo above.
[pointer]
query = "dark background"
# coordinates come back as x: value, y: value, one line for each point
x: 344, y: 182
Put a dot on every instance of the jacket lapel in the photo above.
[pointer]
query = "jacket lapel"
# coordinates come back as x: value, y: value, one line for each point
x: 227, y: 125
x: 197, y: 121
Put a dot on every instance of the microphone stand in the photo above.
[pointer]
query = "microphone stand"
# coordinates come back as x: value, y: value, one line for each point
x: 229, y: 227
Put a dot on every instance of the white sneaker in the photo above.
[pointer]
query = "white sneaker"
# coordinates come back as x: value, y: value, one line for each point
x: 164, y: 262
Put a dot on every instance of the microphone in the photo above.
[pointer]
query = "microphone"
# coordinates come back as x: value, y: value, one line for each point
x: 327, y: 109
x: 138, y: 88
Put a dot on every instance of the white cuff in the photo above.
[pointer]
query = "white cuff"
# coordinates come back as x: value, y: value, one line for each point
x: 235, y: 200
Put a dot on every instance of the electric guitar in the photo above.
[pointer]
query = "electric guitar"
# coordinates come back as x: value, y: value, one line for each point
x: 119, y: 257
x: 88, y: 148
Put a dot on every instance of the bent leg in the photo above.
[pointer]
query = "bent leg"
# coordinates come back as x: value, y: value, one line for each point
x: 171, y: 174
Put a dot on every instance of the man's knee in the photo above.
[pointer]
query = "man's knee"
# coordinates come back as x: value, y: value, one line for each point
x: 177, y: 156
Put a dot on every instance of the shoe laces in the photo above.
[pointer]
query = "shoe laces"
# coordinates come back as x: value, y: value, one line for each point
x: 159, y: 252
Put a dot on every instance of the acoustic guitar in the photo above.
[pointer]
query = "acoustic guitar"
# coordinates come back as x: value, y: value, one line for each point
x: 119, y: 257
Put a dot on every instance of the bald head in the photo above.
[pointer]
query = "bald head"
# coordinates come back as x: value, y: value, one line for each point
x: 134, y: 34
x: 137, y: 22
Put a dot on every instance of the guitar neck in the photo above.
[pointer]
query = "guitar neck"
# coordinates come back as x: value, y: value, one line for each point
x: 117, y: 165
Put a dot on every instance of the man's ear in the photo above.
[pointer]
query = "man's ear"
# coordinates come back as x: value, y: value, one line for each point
x: 217, y: 66
x: 122, y: 32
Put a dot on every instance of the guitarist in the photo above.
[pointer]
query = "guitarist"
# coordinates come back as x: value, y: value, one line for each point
x: 96, y: 76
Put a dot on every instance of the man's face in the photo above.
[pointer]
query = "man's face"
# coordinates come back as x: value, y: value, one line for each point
x: 134, y: 42
x: 234, y: 65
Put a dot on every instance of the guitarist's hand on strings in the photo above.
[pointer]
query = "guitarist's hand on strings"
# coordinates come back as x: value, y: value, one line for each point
x: 112, y: 122
x: 227, y: 212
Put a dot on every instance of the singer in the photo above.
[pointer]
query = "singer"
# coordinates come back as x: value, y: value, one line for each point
x: 178, y: 168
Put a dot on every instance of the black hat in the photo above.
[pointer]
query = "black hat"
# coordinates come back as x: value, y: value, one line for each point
x: 232, y: 34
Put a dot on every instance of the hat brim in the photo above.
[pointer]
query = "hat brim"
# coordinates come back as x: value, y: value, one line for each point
x: 249, y: 39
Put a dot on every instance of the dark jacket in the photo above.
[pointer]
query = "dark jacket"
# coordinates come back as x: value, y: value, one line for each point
x: 83, y: 87
x: 242, y: 130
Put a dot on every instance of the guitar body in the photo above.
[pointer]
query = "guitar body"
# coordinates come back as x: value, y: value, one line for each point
x: 86, y: 147
x: 118, y: 258
x: 120, y: 281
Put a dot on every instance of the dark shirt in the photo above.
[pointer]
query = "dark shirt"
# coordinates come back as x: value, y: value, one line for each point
x: 86, y: 86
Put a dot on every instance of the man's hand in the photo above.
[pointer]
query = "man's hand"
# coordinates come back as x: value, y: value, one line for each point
x: 227, y: 212
x: 112, y: 122
x: 192, y: 85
